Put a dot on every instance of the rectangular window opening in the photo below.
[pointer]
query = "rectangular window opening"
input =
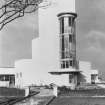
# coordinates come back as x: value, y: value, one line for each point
x: 70, y: 21
x: 70, y: 38
x: 71, y: 63
x: 62, y: 25
x: 63, y: 64
x: 67, y: 64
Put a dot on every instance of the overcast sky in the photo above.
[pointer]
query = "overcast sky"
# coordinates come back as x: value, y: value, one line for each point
x: 16, y: 37
x: 91, y: 32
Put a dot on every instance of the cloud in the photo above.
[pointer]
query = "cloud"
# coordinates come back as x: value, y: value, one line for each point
x: 94, y: 40
x: 91, y: 32
x: 100, y: 5
x: 92, y: 49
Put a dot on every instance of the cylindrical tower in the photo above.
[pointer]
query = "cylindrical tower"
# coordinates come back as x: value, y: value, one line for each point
x: 67, y: 40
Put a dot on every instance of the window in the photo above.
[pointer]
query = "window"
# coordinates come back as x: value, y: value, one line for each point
x: 71, y: 25
x: 66, y: 46
x: 70, y: 21
x: 2, y: 77
x: 69, y: 29
x: 62, y: 25
x: 71, y: 63
x: 70, y: 78
x: 63, y: 55
x: 74, y: 63
x: 12, y: 79
x: 7, y: 78
x: 63, y: 47
x: 67, y: 54
x: 66, y: 43
x: 66, y: 25
x: 93, y: 77
x: 67, y: 64
x: 70, y: 55
x: 70, y: 38
x: 63, y: 64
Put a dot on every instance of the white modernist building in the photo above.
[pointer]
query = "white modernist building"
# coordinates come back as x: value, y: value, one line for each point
x: 10, y: 78
x: 56, y: 46
x: 54, y: 50
x: 71, y: 69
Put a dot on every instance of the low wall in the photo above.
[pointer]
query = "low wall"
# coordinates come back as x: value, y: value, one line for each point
x: 85, y: 92
x: 11, y: 92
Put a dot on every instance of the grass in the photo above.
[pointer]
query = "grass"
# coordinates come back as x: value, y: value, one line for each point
x: 78, y: 101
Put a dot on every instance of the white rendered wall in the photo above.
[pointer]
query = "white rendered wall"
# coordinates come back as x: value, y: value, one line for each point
x: 86, y: 69
x: 11, y: 71
x: 61, y: 80
x: 7, y: 71
x: 45, y: 49
x: 48, y: 44
x: 4, y: 83
x: 18, y: 80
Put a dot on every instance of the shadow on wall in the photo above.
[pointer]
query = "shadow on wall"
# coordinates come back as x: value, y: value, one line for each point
x: 81, y: 78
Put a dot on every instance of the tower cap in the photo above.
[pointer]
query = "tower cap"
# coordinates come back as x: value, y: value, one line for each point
x: 67, y: 13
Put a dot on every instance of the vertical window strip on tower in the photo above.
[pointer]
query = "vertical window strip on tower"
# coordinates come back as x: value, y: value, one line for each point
x: 63, y: 47
x: 66, y: 47
x: 62, y: 20
x: 61, y: 25
x: 70, y: 22
x: 70, y: 38
x: 63, y: 64
x: 71, y: 63
x: 60, y: 47
x: 66, y: 24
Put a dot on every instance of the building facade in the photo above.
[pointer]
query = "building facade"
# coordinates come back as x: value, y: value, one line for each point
x: 75, y: 72
x: 10, y: 78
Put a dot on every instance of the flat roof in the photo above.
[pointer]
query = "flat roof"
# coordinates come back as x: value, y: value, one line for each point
x: 9, y: 71
x: 65, y: 72
x: 67, y: 13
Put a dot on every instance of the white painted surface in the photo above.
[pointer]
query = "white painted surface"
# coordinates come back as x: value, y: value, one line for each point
x: 7, y: 71
x: 55, y: 91
x: 26, y: 91
x: 18, y: 80
x: 4, y: 83
x: 45, y: 49
x: 86, y: 69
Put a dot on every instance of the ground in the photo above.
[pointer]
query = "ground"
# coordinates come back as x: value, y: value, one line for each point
x: 46, y: 95
x: 42, y: 98
x: 78, y: 101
